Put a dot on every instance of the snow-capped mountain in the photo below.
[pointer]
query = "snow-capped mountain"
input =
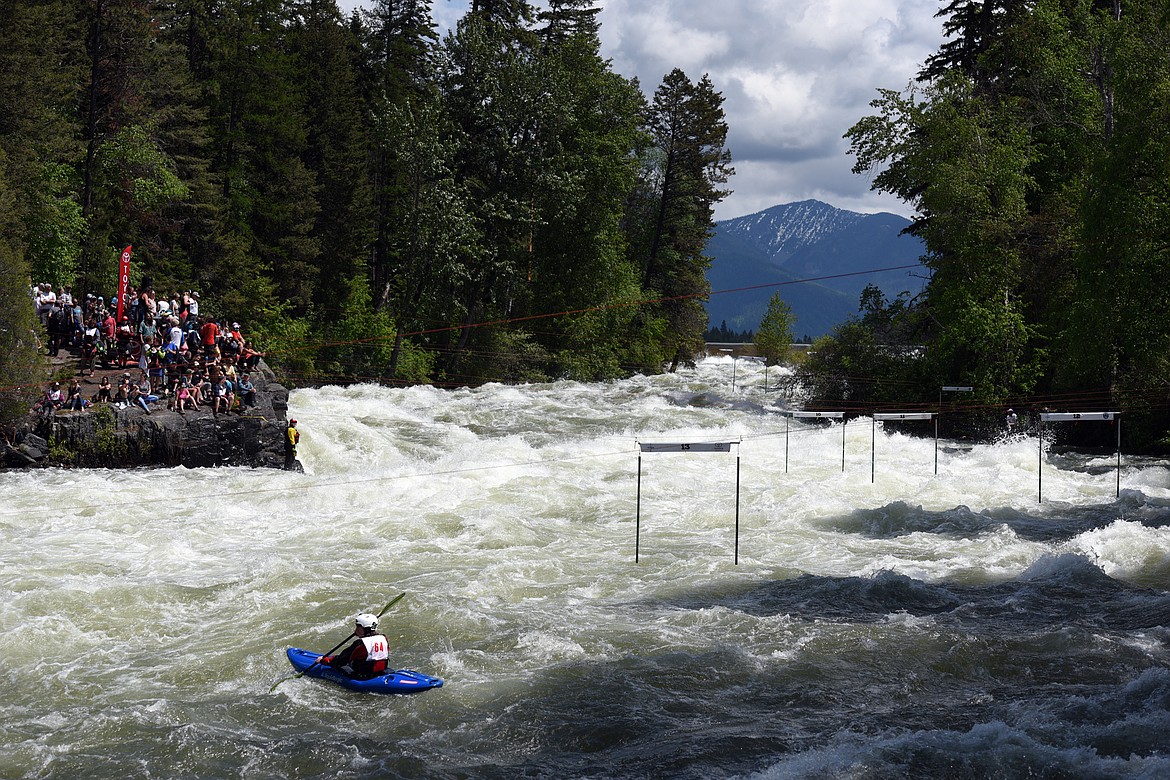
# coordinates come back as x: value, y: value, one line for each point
x: 786, y: 229
x: 818, y: 257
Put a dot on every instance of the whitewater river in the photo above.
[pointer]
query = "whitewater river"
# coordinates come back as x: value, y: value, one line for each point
x: 916, y: 625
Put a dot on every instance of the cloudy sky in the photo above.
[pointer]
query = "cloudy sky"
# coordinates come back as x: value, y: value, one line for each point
x: 795, y: 75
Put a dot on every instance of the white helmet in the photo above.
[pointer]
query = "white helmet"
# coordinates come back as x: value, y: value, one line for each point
x: 367, y: 621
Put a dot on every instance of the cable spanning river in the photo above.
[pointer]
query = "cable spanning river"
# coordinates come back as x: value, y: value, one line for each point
x: 916, y: 625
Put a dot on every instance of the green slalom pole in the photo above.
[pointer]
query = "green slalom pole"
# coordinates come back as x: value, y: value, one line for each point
x: 391, y: 603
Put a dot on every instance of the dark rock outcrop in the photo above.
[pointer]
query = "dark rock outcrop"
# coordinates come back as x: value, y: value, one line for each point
x: 106, y: 436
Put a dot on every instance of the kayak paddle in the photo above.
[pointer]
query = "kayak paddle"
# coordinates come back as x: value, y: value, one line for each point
x: 391, y: 603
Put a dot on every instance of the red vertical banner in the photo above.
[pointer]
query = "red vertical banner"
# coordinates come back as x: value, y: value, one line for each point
x: 123, y: 280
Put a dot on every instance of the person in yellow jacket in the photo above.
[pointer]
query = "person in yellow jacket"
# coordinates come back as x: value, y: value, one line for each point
x: 292, y: 437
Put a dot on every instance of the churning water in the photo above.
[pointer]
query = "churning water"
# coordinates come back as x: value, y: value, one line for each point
x: 917, y: 625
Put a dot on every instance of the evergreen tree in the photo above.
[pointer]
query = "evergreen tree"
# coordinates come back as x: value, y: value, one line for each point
x: 569, y: 20
x: 336, y: 151
x: 1036, y: 159
x: 20, y: 365
x: 135, y: 98
x: 974, y: 30
x: 1118, y: 323
x: 774, y: 336
x: 270, y: 247
x: 590, y: 121
x: 41, y: 59
x: 492, y: 88
x: 398, y: 82
x: 400, y: 41
x: 689, y: 163
x: 429, y: 231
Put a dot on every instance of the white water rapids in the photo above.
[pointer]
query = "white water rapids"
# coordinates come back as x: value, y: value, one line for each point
x: 916, y: 625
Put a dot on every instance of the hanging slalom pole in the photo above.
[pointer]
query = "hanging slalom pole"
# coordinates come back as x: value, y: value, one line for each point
x: 688, y: 447
x: 1114, y: 417
x: 638, y: 523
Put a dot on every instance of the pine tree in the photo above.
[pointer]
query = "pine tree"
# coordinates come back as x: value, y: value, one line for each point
x: 41, y: 62
x: 568, y: 20
x: 492, y: 88
x: 133, y: 98
x: 398, y: 82
x: 773, y: 338
x: 589, y: 122
x: 689, y: 165
x: 19, y: 363
x: 259, y: 116
x: 336, y: 150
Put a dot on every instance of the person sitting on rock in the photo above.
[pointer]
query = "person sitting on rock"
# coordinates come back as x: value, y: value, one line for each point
x: 140, y: 394
x: 249, y: 357
x: 75, y: 402
x: 103, y: 393
x: 221, y: 396
x: 183, y: 399
x: 247, y: 393
x: 122, y: 394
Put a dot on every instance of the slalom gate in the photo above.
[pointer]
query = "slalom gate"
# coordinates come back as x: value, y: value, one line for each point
x: 689, y: 448
x: 726, y: 447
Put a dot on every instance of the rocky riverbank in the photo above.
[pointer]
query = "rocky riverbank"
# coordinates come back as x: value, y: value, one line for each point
x: 106, y: 436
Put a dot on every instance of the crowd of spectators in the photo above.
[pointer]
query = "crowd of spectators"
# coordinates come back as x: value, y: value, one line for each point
x: 177, y: 355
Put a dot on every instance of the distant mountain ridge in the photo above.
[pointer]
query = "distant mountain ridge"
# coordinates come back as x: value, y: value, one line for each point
x: 772, y: 250
x: 786, y: 229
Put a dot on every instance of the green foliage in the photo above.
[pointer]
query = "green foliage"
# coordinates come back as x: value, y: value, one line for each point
x: 54, y: 225
x: 509, y: 356
x: 1036, y: 155
x: 361, y: 343
x: 132, y: 164
x: 774, y: 337
x: 107, y: 446
x: 362, y: 195
x: 415, y: 364
x: 290, y: 343
x: 870, y: 360
x: 63, y: 453
x: 20, y: 364
x: 687, y: 165
x: 605, y: 343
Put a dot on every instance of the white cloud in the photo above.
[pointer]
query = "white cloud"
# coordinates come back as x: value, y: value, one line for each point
x: 795, y: 75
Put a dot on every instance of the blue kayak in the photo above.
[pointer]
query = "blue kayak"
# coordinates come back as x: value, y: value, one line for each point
x: 401, y: 681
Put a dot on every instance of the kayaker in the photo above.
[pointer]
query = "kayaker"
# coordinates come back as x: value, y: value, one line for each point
x: 365, y: 658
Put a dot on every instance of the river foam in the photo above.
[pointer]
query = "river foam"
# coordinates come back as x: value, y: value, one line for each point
x: 882, y: 620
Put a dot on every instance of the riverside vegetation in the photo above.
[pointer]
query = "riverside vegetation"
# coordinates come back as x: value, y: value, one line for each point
x: 498, y: 204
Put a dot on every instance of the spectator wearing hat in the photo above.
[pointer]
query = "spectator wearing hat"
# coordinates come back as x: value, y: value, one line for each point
x: 55, y: 398
x: 174, y: 335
